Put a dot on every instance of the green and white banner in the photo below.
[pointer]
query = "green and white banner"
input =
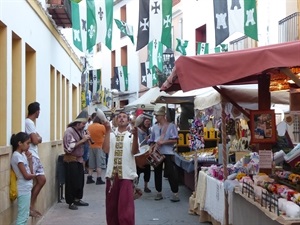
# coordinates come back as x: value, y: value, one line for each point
x: 121, y: 78
x: 155, y: 57
x: 92, y: 23
x: 202, y: 48
x: 125, y: 29
x: 181, y: 46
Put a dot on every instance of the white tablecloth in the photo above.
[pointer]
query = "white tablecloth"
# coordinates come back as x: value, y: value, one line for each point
x: 210, y: 197
x: 214, y: 202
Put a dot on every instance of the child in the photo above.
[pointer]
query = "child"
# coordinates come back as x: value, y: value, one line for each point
x: 21, y: 162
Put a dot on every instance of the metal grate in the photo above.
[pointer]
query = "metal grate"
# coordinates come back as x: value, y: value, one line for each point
x: 248, y: 190
x: 242, y: 43
x: 288, y: 28
x: 296, y: 128
x: 270, y: 201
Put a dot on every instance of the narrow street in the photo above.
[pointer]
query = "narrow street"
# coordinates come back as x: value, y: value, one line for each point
x: 148, y: 211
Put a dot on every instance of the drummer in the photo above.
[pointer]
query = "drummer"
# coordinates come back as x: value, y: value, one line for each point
x: 164, y: 135
x: 143, y: 122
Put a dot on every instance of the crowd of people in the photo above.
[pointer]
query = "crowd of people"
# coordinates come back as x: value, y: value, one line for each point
x: 91, y: 143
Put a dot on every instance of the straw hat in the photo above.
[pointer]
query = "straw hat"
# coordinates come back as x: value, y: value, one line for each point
x: 161, y: 111
x: 82, y: 117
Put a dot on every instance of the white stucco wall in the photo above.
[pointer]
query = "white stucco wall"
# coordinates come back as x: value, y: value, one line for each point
x: 20, y: 18
x: 103, y: 59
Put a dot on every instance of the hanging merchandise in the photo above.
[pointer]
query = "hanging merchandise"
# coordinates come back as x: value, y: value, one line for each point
x: 230, y: 126
x: 196, y: 134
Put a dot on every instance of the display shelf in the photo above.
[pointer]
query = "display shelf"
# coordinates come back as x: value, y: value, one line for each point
x: 247, y: 207
x: 288, y: 183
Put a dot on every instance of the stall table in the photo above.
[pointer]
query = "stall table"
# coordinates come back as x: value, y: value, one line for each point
x: 210, y: 200
x: 209, y: 204
x: 245, y: 207
x: 188, y: 167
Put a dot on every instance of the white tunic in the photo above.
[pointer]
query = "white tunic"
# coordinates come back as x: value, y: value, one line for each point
x: 125, y: 166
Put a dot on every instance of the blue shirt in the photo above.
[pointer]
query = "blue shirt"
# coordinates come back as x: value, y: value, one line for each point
x: 170, y: 133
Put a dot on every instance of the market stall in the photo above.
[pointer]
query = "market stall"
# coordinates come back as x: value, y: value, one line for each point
x: 145, y: 101
x: 208, y: 98
x: 235, y: 67
x: 183, y: 159
x: 257, y: 65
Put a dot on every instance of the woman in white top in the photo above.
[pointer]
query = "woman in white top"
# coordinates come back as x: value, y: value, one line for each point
x: 21, y: 162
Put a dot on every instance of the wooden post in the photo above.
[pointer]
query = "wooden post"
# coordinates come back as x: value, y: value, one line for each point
x: 264, y: 103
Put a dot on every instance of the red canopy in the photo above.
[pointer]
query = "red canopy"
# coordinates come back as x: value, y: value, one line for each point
x: 235, y: 67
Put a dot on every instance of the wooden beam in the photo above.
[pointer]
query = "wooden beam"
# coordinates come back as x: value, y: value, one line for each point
x: 231, y: 101
x: 289, y: 73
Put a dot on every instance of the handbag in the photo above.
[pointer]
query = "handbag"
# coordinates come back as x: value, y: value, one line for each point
x: 13, y: 189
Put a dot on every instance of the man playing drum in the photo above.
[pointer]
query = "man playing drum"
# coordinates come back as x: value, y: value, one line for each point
x: 164, y: 135
x: 143, y: 122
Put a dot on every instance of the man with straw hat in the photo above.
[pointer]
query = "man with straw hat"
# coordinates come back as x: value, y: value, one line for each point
x: 73, y: 142
x: 164, y: 135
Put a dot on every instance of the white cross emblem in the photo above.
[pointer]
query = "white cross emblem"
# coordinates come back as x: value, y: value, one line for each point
x: 144, y: 24
x: 167, y: 21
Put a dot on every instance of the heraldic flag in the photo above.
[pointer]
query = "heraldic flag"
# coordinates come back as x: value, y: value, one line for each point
x: 155, y: 56
x: 125, y: 29
x: 92, y: 23
x: 121, y: 78
x: 94, y: 81
x: 146, y: 75
x: 155, y: 22
x: 202, y: 48
x: 235, y: 16
x: 181, y: 46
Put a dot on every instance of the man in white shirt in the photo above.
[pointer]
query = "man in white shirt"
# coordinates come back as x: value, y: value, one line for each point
x: 121, y: 145
x: 38, y: 169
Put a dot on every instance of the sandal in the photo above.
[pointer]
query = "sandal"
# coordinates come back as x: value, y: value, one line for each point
x: 35, y: 213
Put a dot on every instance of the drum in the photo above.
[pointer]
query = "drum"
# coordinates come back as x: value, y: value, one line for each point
x: 154, y: 157
x: 141, y: 158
